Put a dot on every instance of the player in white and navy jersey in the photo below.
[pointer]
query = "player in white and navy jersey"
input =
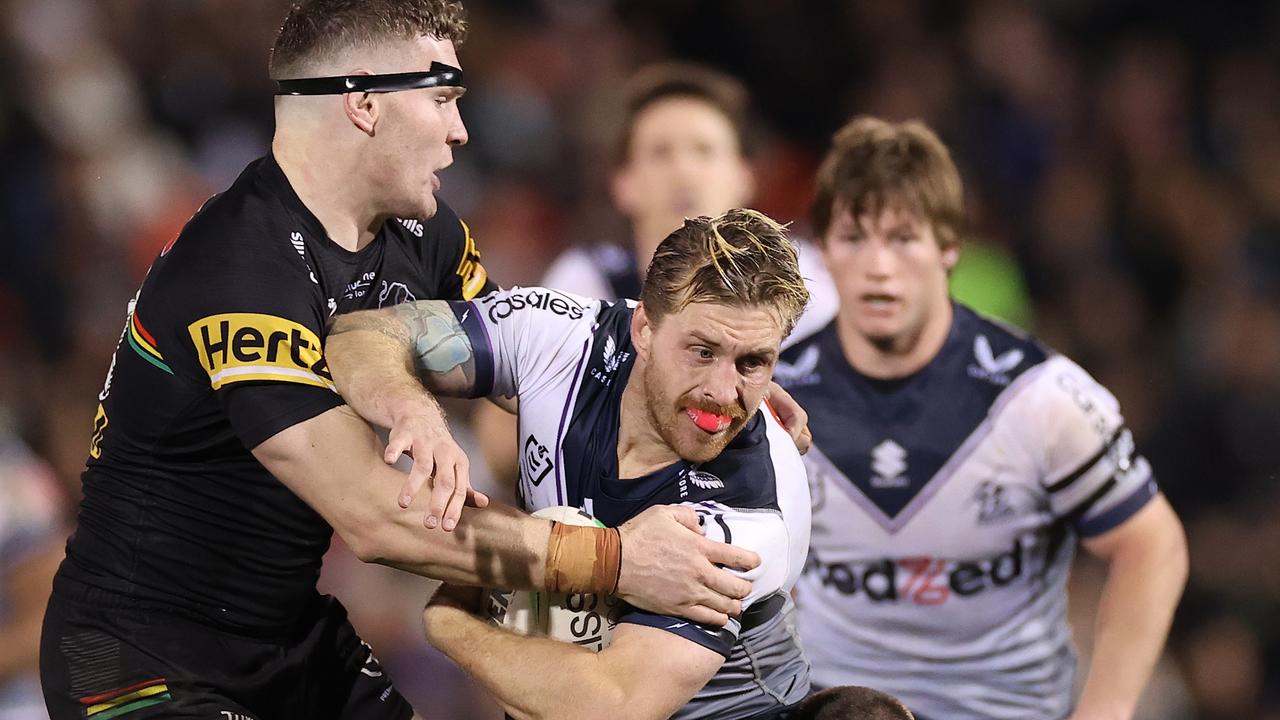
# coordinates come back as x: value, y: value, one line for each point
x: 956, y: 465
x: 682, y: 150
x: 624, y: 406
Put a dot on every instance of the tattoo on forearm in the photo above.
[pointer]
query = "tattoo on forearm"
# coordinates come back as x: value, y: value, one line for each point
x: 439, y: 344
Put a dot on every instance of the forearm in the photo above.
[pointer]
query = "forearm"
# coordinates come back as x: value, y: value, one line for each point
x: 497, y: 546
x: 1138, y: 600
x: 333, y: 462
x: 372, y: 364
x: 553, y: 680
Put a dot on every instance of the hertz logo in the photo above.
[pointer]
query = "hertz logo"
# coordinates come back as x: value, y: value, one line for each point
x: 472, y: 273
x: 238, y: 347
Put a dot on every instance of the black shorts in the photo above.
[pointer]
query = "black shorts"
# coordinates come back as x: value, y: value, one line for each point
x: 102, y: 659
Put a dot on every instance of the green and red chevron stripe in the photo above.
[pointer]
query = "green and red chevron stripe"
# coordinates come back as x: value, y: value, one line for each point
x: 122, y: 701
x: 145, y: 345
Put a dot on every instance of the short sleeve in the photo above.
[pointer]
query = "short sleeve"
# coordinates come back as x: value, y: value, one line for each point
x: 252, y: 326
x: 1094, y: 476
x: 524, y: 338
x: 455, y: 257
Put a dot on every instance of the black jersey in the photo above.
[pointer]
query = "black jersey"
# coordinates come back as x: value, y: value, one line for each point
x: 222, y: 348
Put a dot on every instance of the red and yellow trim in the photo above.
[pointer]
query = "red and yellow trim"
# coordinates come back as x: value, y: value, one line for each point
x: 144, y: 344
x: 121, y: 701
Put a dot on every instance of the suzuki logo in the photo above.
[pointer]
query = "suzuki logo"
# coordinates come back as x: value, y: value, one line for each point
x: 889, y: 462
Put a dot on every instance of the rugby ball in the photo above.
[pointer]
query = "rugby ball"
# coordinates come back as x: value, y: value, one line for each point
x: 585, y: 619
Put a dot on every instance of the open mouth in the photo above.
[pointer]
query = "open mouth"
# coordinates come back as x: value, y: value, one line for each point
x: 708, y: 421
x: 879, y: 301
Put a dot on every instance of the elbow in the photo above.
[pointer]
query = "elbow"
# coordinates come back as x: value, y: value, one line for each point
x: 366, y: 538
x: 367, y: 549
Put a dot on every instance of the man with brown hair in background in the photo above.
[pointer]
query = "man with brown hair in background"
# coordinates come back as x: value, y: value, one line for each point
x: 222, y: 458
x: 955, y: 464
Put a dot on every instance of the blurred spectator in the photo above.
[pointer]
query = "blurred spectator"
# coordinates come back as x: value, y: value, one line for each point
x: 31, y: 539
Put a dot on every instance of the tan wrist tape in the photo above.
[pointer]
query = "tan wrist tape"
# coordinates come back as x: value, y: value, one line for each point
x: 583, y: 559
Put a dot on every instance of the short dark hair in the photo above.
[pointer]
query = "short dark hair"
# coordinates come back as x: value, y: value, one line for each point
x: 314, y: 29
x: 851, y: 702
x: 740, y: 258
x: 668, y: 80
x: 874, y: 163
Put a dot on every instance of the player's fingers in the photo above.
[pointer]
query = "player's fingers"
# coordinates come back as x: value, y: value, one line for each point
x: 730, y: 555
x: 419, y: 474
x: 475, y: 498
x: 705, y: 616
x: 442, y: 486
x: 453, y: 511
x: 398, y: 443
x: 723, y: 582
x: 687, y: 517
x: 805, y: 440
x: 720, y: 603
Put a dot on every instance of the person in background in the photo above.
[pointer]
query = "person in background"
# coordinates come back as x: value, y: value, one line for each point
x: 32, y: 532
x: 956, y: 465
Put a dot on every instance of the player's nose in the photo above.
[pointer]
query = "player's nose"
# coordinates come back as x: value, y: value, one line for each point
x: 457, y: 131
x: 720, y: 386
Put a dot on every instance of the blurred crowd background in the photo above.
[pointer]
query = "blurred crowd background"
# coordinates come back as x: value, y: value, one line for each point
x: 1122, y: 160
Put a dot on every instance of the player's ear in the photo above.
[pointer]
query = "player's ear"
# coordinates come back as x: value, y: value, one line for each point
x: 361, y: 108
x: 641, y: 332
x: 950, y: 256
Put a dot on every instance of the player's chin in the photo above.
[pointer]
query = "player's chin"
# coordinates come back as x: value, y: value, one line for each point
x: 427, y: 206
x: 703, y: 447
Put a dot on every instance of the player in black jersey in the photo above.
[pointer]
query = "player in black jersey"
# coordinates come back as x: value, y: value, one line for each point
x: 222, y: 459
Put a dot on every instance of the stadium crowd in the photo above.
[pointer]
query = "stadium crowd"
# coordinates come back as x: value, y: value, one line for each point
x: 1119, y: 160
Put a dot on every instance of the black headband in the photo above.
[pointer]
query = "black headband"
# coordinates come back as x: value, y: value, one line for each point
x: 439, y: 75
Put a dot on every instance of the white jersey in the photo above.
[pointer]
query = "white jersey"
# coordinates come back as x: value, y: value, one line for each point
x: 946, y: 511
x: 568, y: 359
x: 610, y: 272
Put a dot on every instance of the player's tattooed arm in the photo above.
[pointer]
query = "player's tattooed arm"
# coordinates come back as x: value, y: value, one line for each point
x: 441, y: 349
x: 375, y: 357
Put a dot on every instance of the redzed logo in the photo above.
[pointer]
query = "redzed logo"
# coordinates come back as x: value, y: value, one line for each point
x: 919, y: 580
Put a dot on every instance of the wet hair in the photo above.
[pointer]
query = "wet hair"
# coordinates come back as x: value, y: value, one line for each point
x: 740, y: 258
x: 315, y: 30
x: 874, y: 164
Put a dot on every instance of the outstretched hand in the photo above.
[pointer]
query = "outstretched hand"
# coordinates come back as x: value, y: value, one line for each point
x: 439, y: 462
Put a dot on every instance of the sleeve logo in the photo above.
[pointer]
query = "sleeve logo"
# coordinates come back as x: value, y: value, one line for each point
x: 473, y: 274
x: 240, y: 347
